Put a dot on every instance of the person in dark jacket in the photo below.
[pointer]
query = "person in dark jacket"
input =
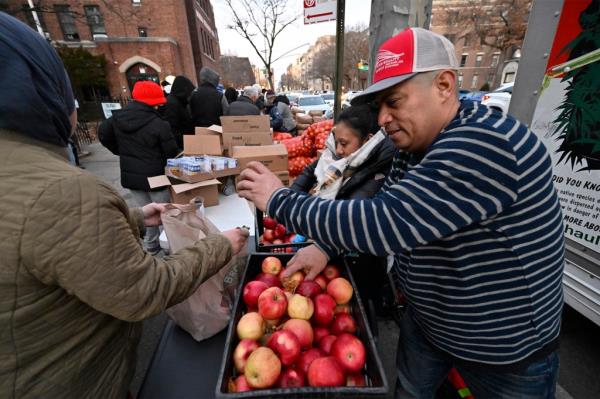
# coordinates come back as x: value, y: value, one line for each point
x: 271, y: 109
x: 207, y: 105
x: 283, y: 105
x: 231, y: 94
x: 176, y: 112
x: 356, y: 129
x: 143, y: 142
x: 244, y: 105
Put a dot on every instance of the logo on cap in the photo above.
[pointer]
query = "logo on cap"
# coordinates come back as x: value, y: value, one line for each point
x: 387, y: 59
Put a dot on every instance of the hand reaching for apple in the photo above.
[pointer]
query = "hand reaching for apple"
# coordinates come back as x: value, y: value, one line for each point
x: 257, y: 184
x: 310, y: 259
x: 237, y: 238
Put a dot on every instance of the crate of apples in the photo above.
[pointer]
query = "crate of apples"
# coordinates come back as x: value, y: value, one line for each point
x: 272, y: 236
x: 299, y: 337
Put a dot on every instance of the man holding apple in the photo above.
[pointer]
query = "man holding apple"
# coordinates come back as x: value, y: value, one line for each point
x: 471, y: 217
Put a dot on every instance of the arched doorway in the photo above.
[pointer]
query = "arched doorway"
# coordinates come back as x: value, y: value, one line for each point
x: 141, y: 71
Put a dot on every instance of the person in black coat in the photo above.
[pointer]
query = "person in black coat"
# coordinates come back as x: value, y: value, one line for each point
x: 244, y: 105
x: 176, y: 112
x: 355, y: 126
x: 207, y: 105
x: 143, y: 141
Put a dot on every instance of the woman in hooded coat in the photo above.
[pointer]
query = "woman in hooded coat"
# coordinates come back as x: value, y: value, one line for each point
x: 75, y: 283
x: 176, y: 110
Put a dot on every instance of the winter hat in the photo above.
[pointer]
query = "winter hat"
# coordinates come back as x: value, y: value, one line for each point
x: 401, y: 57
x: 148, y: 92
x: 210, y: 76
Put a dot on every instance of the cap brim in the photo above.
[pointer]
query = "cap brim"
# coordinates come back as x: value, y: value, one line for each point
x: 371, y: 92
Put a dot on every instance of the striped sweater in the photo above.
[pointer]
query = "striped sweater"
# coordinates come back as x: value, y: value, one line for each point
x: 476, y: 229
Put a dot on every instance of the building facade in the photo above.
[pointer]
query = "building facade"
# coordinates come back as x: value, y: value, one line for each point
x: 140, y: 39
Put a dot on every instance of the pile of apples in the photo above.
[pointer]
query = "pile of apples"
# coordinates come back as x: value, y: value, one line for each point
x: 276, y: 234
x: 297, y: 332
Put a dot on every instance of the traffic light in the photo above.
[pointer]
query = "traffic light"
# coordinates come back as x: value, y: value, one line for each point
x: 363, y: 65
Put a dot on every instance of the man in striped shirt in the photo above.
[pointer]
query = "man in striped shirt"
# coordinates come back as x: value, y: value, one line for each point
x: 471, y: 216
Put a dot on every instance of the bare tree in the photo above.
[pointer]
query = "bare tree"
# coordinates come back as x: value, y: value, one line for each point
x: 260, y: 22
x: 323, y: 63
x: 356, y: 49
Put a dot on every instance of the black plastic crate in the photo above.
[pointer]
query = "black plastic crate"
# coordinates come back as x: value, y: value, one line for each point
x: 376, y: 381
x: 273, y: 248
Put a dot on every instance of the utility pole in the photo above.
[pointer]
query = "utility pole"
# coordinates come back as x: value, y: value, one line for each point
x: 339, y: 56
x: 389, y: 17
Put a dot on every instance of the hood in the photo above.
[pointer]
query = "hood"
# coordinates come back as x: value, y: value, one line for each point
x: 133, y: 117
x: 182, y: 88
x: 36, y: 91
x: 210, y: 76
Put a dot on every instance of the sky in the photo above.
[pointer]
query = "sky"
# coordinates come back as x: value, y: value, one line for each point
x: 298, y: 34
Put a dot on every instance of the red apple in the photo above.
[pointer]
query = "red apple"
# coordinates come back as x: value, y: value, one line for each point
x: 319, y: 332
x: 269, y: 223
x: 277, y: 241
x: 340, y: 289
x: 280, y: 231
x: 268, y: 279
x: 271, y: 265
x: 355, y: 380
x: 350, y: 352
x: 307, y: 357
x: 251, y: 326
x: 286, y: 345
x: 343, y: 323
x: 272, y: 303
x: 252, y: 291
x: 322, y: 281
x: 309, y: 288
x: 240, y: 385
x: 289, y: 250
x: 291, y: 378
x: 325, y: 372
x: 262, y: 368
x: 330, y: 272
x: 300, y: 307
x: 345, y: 308
x: 302, y: 330
x: 326, y: 343
x: 268, y: 235
x: 242, y: 351
x: 292, y: 282
x: 289, y: 238
x: 324, y: 306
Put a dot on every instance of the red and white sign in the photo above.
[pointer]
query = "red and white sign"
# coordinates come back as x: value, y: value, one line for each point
x: 319, y: 11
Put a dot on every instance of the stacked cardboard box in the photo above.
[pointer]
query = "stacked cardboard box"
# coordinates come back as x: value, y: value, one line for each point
x: 274, y: 157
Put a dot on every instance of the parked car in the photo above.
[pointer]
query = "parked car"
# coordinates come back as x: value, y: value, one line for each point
x: 475, y: 95
x: 329, y: 98
x: 500, y: 98
x: 313, y: 103
x: 350, y: 95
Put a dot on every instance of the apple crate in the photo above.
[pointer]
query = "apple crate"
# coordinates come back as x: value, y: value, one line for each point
x: 273, y: 248
x: 376, y: 382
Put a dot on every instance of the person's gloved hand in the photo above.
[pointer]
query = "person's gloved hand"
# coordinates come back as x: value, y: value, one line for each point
x: 152, y: 213
x: 237, y: 238
x: 310, y: 259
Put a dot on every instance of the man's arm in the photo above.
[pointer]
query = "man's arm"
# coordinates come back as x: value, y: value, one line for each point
x: 457, y: 184
x: 107, y: 136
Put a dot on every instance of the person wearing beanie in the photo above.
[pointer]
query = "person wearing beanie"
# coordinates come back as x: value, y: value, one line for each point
x: 469, y: 217
x: 207, y: 105
x: 176, y: 109
x: 75, y: 283
x: 143, y: 141
x: 271, y: 109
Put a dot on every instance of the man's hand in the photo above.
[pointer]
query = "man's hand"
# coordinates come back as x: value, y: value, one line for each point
x: 257, y: 184
x: 237, y: 238
x: 152, y: 214
x: 310, y: 259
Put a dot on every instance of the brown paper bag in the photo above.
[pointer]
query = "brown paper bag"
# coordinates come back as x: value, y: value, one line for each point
x: 207, y: 311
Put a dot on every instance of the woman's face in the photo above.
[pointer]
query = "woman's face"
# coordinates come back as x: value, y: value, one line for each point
x: 347, y: 140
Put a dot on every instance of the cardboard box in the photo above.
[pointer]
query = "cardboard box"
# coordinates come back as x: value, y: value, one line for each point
x: 283, y: 175
x: 273, y: 156
x: 246, y: 124
x: 183, y: 193
x: 202, y: 144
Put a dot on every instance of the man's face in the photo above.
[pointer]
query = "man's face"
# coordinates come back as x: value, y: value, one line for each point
x: 409, y: 112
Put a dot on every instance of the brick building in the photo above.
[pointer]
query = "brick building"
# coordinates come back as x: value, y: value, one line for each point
x: 141, y: 39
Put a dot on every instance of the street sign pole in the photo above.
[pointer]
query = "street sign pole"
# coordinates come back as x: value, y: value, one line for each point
x: 339, y: 56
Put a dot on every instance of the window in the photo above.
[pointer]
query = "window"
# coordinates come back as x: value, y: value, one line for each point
x: 67, y: 22
x: 136, y: 1
x: 467, y: 41
x: 460, y: 79
x: 95, y: 20
x: 142, y: 32
x: 495, y: 59
x: 463, y: 60
x: 478, y: 60
x: 509, y: 77
x: 475, y: 80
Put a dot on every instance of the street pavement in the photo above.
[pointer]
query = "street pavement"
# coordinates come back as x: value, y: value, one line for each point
x: 579, y: 344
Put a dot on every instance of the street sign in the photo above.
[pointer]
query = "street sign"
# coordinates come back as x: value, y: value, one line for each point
x: 108, y: 108
x: 319, y: 11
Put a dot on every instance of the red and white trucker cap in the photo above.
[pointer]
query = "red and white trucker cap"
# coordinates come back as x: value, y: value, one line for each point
x: 401, y: 57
